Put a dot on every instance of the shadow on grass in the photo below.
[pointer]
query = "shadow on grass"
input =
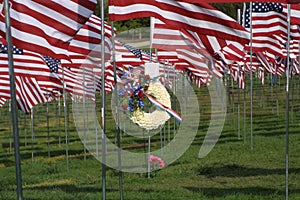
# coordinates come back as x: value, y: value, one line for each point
x: 222, y: 192
x: 242, y: 171
x: 69, y: 188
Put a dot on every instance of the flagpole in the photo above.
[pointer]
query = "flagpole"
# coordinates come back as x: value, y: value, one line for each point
x: 103, y: 103
x: 48, y: 130
x: 117, y: 113
x: 239, y: 112
x: 14, y: 113
x: 32, y: 132
x: 65, y: 117
x: 287, y: 106
x: 251, y: 79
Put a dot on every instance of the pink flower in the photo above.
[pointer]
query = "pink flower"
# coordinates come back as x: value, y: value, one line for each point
x: 157, y: 159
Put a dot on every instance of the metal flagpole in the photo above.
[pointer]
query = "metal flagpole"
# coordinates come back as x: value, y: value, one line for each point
x: 287, y: 106
x: 251, y: 81
x: 245, y: 129
x: 14, y: 113
x: 48, y: 130
x: 84, y: 114
x: 117, y: 113
x: 239, y: 91
x: 103, y: 103
x: 10, y: 128
x: 65, y: 116
x: 25, y: 130
x: 32, y: 132
x: 59, y: 114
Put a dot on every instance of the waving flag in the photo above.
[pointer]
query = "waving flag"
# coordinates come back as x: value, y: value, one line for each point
x: 268, y: 26
x: 46, y: 27
x: 201, y: 18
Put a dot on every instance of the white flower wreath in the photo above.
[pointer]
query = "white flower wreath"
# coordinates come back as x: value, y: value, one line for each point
x: 153, y: 120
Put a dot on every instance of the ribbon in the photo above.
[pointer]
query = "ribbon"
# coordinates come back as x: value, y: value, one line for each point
x: 164, y: 108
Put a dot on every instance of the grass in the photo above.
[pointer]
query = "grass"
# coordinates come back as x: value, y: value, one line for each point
x: 231, y: 171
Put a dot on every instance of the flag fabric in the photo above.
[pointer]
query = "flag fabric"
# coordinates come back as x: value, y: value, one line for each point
x: 85, y: 48
x: 187, y: 47
x: 295, y: 14
x: 125, y: 57
x: 200, y: 17
x: 236, y: 1
x: 268, y: 26
x: 46, y: 27
x: 5, y: 87
x: 28, y: 93
x: 2, y: 101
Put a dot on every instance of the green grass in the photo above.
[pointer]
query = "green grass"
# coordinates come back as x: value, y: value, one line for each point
x: 231, y: 171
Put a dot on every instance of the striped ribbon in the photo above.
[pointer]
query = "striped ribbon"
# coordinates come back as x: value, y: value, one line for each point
x: 164, y: 108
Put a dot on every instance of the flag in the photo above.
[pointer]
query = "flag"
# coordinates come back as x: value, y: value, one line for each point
x: 85, y: 48
x: 236, y: 1
x: 201, y: 18
x: 28, y: 93
x: 2, y: 101
x: 185, y: 45
x: 125, y: 57
x: 46, y: 27
x: 268, y: 26
x: 295, y: 14
x: 33, y: 77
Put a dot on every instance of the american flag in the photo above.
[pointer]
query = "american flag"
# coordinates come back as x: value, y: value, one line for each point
x: 46, y: 27
x: 201, y: 17
x: 28, y: 93
x: 2, y: 101
x: 295, y: 14
x: 85, y: 47
x: 124, y: 56
x: 33, y: 77
x: 187, y: 49
x: 52, y: 63
x: 268, y: 26
x: 135, y: 51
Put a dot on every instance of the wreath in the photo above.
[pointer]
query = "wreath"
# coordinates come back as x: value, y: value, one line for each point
x: 157, y: 94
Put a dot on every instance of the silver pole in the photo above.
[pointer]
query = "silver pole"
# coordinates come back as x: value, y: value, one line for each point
x: 95, y: 119
x: 84, y: 114
x: 117, y: 114
x: 149, y: 146
x: 32, y: 132
x: 65, y: 116
x: 287, y: 106
x: 14, y: 113
x: 25, y: 129
x: 251, y: 81
x: 59, y: 113
x: 103, y: 103
x: 48, y: 130
x: 239, y: 91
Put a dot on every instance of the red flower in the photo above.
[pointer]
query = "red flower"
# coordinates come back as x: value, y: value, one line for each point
x: 125, y: 106
x: 147, y: 76
x: 140, y: 94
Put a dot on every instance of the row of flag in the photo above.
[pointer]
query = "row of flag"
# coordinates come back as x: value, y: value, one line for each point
x: 57, y: 45
x: 210, y: 43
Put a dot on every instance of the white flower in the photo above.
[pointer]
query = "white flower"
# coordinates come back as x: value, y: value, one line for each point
x: 153, y: 120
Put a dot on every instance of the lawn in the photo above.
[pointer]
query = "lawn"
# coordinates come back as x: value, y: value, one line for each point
x: 232, y: 170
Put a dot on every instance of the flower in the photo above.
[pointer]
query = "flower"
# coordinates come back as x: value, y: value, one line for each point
x: 135, y: 96
x: 156, y: 164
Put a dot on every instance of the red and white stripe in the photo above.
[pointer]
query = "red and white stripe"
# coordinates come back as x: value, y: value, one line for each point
x: 201, y: 18
x: 46, y: 27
